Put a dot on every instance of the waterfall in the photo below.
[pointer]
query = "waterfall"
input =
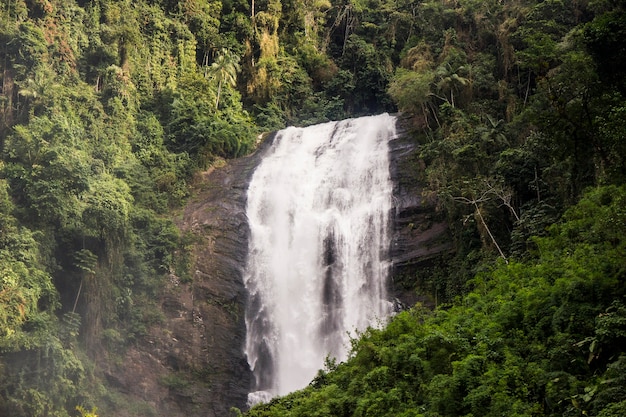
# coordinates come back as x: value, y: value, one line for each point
x: 318, y: 210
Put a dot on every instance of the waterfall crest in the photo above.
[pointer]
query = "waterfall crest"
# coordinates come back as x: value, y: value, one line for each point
x: 318, y: 210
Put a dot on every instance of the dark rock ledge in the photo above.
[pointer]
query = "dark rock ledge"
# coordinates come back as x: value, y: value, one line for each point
x: 420, y: 235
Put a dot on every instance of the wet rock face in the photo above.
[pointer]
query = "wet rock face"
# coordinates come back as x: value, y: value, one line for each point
x: 193, y: 363
x: 217, y: 218
x: 420, y: 235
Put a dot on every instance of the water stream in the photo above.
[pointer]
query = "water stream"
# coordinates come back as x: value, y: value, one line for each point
x: 318, y: 211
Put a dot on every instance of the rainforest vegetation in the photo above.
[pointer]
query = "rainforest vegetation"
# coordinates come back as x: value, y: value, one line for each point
x: 108, y: 109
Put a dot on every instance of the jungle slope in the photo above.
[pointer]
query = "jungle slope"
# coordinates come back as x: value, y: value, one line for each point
x: 518, y: 109
x: 109, y: 109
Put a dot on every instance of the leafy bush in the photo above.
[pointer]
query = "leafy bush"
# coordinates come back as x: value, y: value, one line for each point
x: 545, y: 336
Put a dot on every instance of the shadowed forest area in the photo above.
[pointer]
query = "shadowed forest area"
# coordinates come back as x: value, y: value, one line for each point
x: 109, y: 110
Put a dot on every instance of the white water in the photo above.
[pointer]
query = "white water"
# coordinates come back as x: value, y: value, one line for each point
x: 318, y: 210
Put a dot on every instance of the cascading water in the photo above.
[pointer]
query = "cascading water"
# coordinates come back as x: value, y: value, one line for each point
x: 318, y: 211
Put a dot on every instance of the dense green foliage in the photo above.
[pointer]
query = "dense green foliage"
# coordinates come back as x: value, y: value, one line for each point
x: 518, y: 110
x: 540, y: 337
x: 109, y: 107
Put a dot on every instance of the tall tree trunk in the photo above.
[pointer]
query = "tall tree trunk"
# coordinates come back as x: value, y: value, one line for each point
x: 493, y: 239
x: 219, y: 90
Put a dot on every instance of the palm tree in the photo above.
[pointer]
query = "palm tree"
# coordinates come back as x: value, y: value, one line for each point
x: 450, y: 80
x: 224, y: 69
x: 38, y: 87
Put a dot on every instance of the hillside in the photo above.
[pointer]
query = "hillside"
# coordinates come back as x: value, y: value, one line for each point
x: 110, y: 110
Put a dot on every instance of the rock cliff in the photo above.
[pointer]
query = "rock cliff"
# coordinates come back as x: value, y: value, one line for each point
x: 420, y: 234
x: 193, y: 364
